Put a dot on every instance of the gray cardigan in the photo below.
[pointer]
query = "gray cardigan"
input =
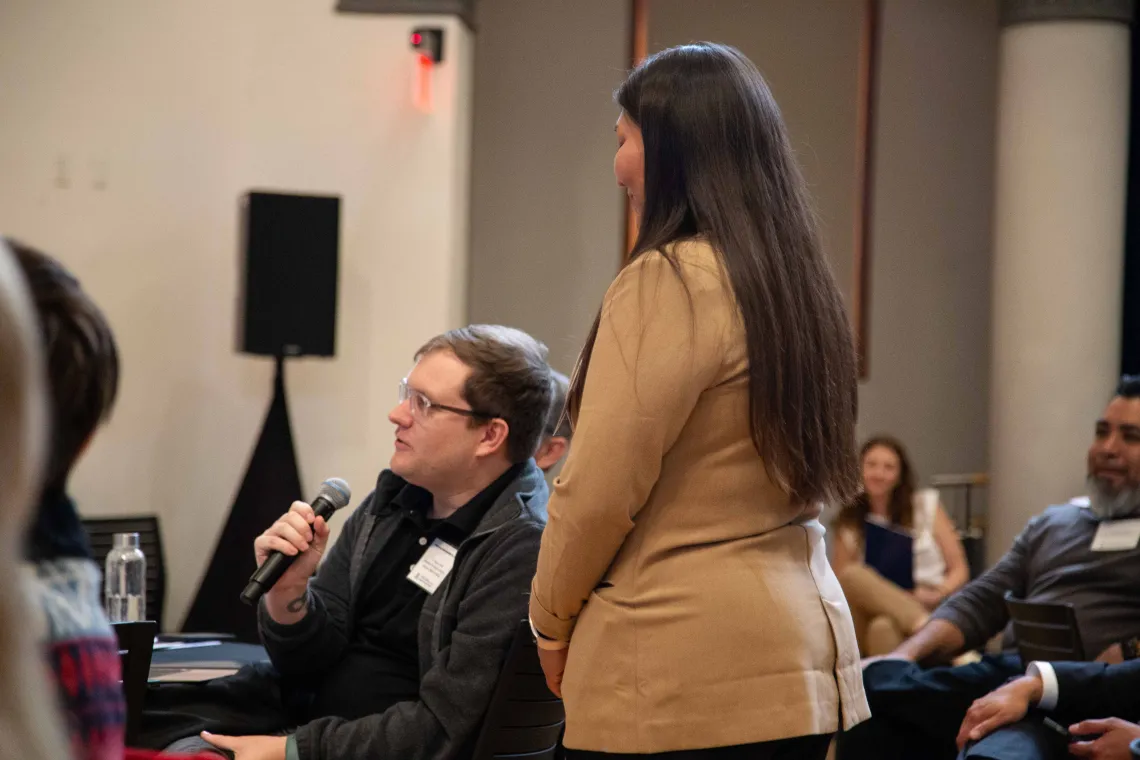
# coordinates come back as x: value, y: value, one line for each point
x: 465, y: 627
x: 1051, y: 561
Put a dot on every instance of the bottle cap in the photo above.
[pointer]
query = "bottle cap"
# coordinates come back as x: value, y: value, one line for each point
x: 126, y: 540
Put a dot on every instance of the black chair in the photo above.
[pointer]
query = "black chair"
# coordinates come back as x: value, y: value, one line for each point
x: 958, y: 492
x: 136, y: 642
x: 101, y: 532
x: 1045, y: 631
x: 525, y: 720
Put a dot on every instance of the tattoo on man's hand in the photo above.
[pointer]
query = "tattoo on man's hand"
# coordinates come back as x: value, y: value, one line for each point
x: 297, y: 604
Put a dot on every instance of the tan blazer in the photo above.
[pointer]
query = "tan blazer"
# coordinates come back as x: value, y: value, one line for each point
x: 698, y: 601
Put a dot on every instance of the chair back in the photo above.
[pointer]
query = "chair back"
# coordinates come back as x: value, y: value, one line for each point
x: 1045, y: 631
x: 136, y: 643
x: 101, y: 532
x: 524, y: 720
x: 960, y: 494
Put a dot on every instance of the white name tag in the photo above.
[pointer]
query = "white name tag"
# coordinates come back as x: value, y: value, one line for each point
x: 430, y: 572
x: 1117, y: 536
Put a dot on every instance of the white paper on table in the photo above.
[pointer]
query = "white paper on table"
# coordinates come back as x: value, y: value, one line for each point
x: 194, y: 675
x: 166, y: 646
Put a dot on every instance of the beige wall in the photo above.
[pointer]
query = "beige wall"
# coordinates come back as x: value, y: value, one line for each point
x: 130, y: 131
x: 545, y: 218
x: 930, y: 275
x: 1062, y: 157
x: 546, y: 215
x: 933, y: 191
x: 808, y: 51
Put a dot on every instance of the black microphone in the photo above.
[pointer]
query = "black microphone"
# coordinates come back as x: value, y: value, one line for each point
x: 333, y: 495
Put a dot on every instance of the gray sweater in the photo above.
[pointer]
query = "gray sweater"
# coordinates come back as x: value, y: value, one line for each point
x: 1051, y: 561
x: 465, y: 627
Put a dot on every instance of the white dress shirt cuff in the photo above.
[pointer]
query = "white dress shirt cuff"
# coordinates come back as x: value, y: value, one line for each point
x: 542, y: 641
x: 1050, y: 689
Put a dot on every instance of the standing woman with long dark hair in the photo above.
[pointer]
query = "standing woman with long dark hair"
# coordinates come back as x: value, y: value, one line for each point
x: 683, y: 599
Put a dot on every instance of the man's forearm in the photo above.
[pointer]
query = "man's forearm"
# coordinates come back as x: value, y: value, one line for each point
x: 287, y: 606
x: 937, y: 641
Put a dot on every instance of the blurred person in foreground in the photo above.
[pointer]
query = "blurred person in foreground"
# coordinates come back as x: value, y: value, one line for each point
x: 30, y: 726
x: 82, y: 379
x: 684, y: 600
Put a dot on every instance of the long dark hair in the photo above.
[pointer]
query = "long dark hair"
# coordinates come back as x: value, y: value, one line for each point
x: 719, y: 165
x: 900, y: 507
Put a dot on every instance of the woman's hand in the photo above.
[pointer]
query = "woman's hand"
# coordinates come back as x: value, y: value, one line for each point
x: 928, y: 596
x: 553, y: 667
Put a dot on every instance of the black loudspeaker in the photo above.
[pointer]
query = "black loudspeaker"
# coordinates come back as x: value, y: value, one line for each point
x: 288, y: 304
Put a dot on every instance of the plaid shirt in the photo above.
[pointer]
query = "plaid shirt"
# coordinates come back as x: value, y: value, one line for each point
x: 84, y: 655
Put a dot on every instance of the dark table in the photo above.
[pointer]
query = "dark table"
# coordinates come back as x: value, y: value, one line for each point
x: 228, y: 655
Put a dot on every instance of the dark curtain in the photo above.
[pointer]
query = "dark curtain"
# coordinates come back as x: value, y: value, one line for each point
x: 272, y: 482
x: 1130, y: 333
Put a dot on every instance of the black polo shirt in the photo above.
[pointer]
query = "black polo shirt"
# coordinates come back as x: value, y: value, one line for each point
x: 380, y: 666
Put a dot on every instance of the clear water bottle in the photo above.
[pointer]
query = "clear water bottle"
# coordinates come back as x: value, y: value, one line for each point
x: 124, y: 582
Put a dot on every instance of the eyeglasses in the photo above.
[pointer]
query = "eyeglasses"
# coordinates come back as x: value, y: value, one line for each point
x: 422, y: 406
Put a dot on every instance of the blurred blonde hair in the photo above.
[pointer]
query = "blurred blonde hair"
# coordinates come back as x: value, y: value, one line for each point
x: 29, y: 719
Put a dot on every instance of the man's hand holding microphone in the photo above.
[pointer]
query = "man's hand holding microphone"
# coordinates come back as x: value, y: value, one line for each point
x: 289, y: 551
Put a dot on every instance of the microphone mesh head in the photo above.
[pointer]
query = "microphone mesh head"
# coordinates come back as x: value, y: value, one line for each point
x: 336, y: 491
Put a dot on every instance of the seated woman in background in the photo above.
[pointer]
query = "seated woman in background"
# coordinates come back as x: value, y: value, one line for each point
x: 885, y: 613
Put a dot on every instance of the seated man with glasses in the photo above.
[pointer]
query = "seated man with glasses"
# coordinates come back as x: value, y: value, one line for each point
x: 394, y: 648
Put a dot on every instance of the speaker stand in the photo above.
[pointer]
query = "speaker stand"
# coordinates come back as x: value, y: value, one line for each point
x: 272, y: 482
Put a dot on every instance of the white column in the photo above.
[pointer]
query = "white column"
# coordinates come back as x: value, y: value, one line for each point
x: 1062, y: 149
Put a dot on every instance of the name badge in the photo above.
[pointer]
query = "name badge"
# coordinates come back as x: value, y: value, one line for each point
x: 1117, y: 535
x: 434, y: 566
